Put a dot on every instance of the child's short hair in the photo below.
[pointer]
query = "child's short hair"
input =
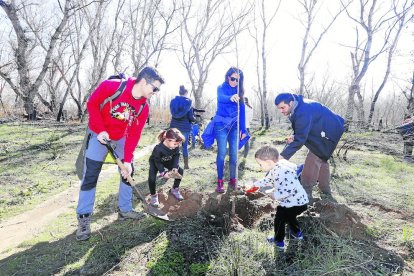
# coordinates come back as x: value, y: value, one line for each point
x: 267, y: 153
x: 171, y: 133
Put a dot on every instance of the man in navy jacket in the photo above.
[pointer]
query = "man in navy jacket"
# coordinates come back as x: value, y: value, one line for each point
x: 319, y: 129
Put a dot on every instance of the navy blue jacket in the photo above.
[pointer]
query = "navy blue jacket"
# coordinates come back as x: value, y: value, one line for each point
x: 315, y: 126
x: 182, y: 113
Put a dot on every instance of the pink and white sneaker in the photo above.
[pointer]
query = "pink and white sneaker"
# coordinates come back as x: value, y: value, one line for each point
x: 176, y: 193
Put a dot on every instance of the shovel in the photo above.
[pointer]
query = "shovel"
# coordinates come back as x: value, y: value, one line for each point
x: 151, y: 210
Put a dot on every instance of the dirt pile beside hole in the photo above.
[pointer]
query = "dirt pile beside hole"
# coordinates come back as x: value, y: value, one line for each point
x: 249, y: 209
x: 339, y: 218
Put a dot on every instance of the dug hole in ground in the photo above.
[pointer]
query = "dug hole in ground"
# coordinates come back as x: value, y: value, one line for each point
x: 250, y: 210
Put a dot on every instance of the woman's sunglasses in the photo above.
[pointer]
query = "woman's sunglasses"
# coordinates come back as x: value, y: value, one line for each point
x: 234, y: 79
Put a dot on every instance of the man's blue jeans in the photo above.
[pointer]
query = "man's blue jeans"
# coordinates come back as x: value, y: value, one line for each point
x: 226, y: 134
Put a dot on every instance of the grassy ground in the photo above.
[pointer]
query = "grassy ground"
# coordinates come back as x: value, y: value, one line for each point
x: 367, y: 178
x: 36, y: 162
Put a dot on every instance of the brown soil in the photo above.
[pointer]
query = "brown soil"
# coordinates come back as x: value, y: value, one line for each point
x: 248, y: 209
x: 338, y: 219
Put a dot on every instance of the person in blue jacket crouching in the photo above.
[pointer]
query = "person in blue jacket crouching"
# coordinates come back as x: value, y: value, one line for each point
x: 319, y: 129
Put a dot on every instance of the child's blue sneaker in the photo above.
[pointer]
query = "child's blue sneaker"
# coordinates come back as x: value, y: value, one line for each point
x: 280, y: 246
x: 271, y: 239
x: 298, y: 236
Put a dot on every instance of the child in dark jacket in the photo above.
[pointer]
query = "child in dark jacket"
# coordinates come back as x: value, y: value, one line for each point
x: 164, y: 159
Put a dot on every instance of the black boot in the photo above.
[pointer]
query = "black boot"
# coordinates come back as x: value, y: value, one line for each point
x: 408, y: 152
x: 186, y: 162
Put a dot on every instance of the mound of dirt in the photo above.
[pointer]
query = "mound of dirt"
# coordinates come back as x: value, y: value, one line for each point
x: 248, y: 209
x: 339, y: 218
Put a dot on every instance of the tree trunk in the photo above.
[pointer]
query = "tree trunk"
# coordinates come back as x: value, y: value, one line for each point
x: 28, y: 103
x: 350, y: 106
x: 360, y: 111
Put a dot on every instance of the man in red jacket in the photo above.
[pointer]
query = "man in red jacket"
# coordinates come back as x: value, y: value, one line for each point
x: 120, y: 120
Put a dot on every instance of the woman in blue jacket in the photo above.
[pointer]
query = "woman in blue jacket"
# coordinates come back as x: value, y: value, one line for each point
x: 182, y: 118
x: 230, y: 113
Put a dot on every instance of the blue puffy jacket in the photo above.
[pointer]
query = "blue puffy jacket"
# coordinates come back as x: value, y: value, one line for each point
x: 226, y: 114
x: 315, y: 126
x: 227, y: 111
x: 182, y: 113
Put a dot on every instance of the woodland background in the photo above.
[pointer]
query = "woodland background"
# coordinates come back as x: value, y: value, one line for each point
x: 53, y: 54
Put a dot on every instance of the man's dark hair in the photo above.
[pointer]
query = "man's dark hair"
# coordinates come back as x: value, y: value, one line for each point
x: 284, y: 97
x: 267, y: 153
x: 150, y: 75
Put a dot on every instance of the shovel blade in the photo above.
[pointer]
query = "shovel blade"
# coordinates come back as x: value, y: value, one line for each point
x: 155, y: 212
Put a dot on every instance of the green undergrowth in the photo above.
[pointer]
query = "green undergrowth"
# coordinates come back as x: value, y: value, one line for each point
x: 36, y: 162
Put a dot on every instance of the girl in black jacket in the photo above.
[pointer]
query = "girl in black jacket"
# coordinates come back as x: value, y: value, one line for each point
x: 164, y: 159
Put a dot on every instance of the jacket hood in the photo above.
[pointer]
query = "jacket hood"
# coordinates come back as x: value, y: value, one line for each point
x: 298, y: 100
x: 180, y: 106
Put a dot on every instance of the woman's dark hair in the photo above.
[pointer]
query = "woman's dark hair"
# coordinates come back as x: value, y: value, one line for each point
x: 171, y: 133
x: 267, y: 153
x: 246, y: 102
x: 238, y: 71
x: 182, y: 90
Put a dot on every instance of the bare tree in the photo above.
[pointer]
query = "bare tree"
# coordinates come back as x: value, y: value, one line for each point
x: 150, y: 25
x: 401, y: 20
x: 102, y: 36
x: 28, y: 84
x: 323, y: 91
x: 2, y: 85
x: 311, y: 42
x: 205, y: 34
x: 78, y: 53
x: 261, y: 55
x: 373, y: 18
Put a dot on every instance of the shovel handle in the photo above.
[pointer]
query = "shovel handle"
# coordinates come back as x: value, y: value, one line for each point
x: 121, y: 165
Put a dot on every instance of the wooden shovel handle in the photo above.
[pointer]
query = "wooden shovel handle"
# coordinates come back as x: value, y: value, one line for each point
x: 123, y: 168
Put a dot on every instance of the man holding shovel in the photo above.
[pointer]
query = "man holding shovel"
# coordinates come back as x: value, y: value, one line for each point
x: 319, y: 129
x: 119, y: 120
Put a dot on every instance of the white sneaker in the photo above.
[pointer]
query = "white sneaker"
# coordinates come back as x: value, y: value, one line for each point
x: 154, y: 200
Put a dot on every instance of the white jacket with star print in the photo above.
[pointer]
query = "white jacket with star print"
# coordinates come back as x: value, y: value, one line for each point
x: 285, y: 184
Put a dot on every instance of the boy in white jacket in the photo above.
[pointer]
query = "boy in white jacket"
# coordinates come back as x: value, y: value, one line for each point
x: 282, y: 184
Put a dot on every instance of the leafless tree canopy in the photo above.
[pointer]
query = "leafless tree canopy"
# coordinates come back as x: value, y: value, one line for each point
x: 53, y: 54
x: 377, y: 29
x: 206, y: 32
